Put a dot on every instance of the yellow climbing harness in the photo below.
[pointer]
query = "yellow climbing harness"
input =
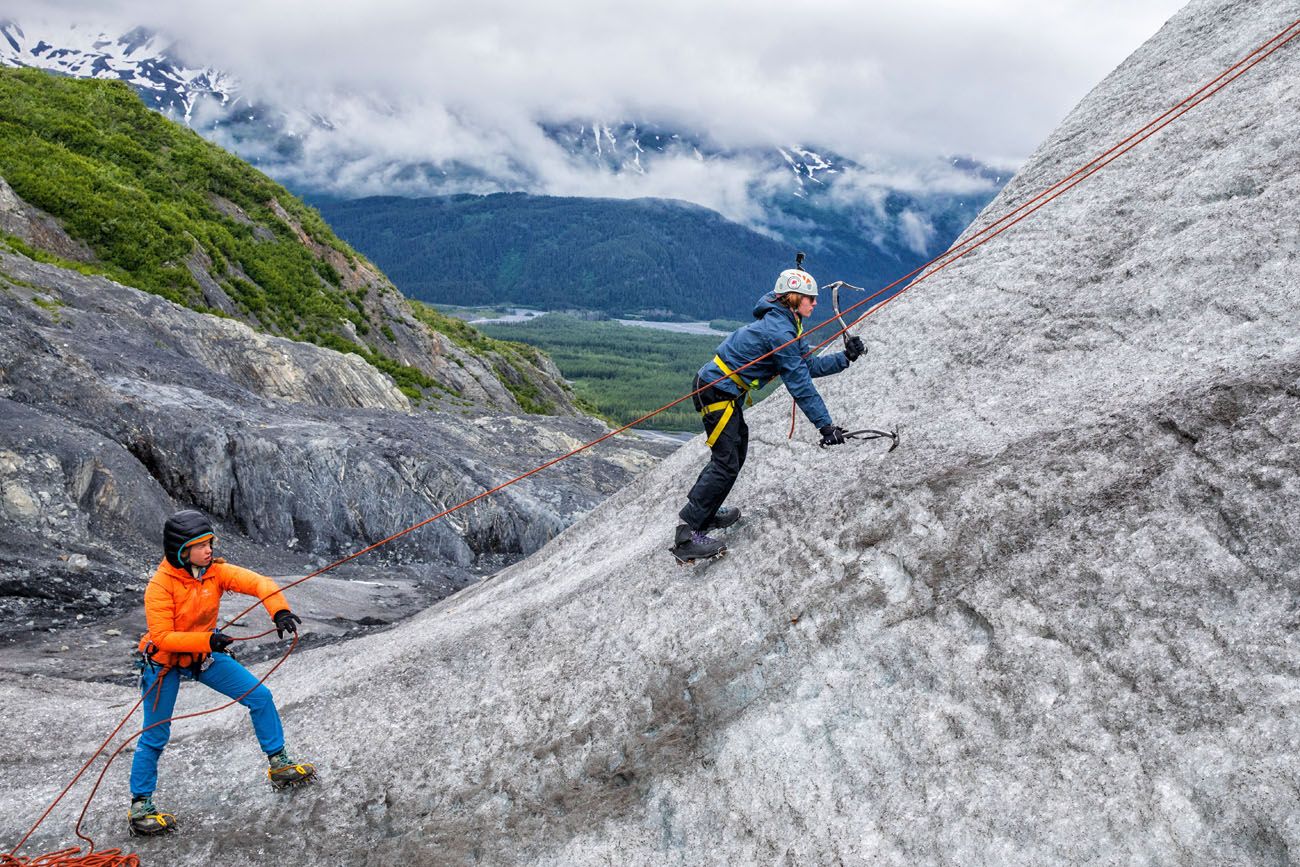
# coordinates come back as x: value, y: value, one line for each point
x: 727, y: 406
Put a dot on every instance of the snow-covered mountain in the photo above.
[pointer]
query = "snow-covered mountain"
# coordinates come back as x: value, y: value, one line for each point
x: 791, y: 172
x: 856, y: 221
x: 139, y: 57
x: 632, y: 147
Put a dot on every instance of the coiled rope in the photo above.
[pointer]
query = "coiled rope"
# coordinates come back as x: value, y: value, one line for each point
x: 72, y: 857
x: 115, y: 857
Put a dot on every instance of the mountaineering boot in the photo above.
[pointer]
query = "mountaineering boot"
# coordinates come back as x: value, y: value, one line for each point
x: 144, y: 820
x: 284, y: 771
x: 691, y: 545
x: 724, y: 518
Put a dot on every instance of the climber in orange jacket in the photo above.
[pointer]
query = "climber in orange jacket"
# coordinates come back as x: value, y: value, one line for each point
x: 181, y: 606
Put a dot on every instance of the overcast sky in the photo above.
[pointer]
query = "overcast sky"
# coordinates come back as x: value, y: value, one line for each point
x: 897, y: 83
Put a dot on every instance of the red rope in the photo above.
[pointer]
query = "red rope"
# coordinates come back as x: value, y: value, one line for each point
x: 73, y: 858
x: 1019, y: 213
x: 114, y: 857
x: 1025, y: 209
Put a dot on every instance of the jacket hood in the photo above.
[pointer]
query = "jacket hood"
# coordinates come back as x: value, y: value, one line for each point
x: 768, y: 303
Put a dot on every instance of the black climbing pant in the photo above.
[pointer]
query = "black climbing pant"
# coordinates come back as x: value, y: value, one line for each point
x: 728, y: 456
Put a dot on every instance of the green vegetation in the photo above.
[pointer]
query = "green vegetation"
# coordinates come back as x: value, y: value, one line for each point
x: 510, y: 360
x: 621, y: 371
x: 14, y: 244
x: 660, y: 258
x: 152, y: 199
x: 726, y: 324
x: 142, y: 192
x: 50, y: 305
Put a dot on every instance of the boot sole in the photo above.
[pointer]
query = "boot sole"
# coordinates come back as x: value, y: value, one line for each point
x: 296, y: 784
x: 691, y: 561
x: 280, y: 785
x: 160, y: 831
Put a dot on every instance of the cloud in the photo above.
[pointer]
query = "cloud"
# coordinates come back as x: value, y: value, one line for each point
x: 412, y: 82
x: 930, y: 76
x: 916, y: 231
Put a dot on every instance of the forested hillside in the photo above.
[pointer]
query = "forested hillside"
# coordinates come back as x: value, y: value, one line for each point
x: 152, y: 205
x: 652, y: 257
x: 643, y: 256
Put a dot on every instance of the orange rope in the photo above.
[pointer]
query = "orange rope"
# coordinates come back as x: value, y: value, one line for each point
x: 1201, y: 94
x: 1025, y: 209
x: 73, y: 782
x: 114, y: 857
x: 73, y: 858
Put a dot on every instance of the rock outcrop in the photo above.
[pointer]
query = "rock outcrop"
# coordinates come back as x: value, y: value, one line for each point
x: 38, y: 229
x: 1056, y: 627
x: 173, y: 214
x: 119, y: 406
x: 481, y: 379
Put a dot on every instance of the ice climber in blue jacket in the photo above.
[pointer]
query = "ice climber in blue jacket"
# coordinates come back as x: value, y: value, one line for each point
x: 778, y: 320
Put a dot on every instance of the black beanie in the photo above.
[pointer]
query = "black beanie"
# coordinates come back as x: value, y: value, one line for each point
x: 182, y: 529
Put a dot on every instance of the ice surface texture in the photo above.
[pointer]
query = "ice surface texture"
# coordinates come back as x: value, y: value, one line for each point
x: 1055, y: 627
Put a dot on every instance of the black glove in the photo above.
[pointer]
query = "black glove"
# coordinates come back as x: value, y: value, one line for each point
x: 832, y: 435
x: 854, y: 348
x: 219, y: 642
x: 286, y: 621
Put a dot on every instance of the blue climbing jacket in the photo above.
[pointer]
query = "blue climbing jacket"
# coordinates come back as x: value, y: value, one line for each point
x: 773, y: 326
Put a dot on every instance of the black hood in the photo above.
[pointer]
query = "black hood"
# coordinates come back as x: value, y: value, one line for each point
x: 181, y: 529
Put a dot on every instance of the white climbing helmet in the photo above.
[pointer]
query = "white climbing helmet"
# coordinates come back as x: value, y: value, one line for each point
x: 794, y: 280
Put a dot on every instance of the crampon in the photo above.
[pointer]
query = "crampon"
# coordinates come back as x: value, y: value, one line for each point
x: 145, y: 820
x: 691, y: 562
x: 285, y: 773
x: 691, y: 546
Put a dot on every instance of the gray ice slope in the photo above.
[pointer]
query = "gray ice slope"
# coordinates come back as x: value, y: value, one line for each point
x: 1056, y: 627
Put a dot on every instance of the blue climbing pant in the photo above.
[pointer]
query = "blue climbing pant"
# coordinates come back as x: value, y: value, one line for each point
x: 227, y: 677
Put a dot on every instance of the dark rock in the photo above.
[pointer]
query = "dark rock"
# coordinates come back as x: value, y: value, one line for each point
x: 119, y: 406
x: 37, y: 228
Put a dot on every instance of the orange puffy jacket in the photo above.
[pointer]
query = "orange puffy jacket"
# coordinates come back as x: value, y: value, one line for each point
x: 181, y: 610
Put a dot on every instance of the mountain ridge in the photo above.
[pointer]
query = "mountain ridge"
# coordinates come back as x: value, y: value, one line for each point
x: 154, y: 205
x: 625, y: 257
x: 858, y: 221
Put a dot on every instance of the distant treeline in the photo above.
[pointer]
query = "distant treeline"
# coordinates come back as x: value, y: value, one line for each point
x: 654, y: 257
x: 621, y: 371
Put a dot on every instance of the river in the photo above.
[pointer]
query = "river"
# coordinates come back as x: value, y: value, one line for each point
x: 523, y: 314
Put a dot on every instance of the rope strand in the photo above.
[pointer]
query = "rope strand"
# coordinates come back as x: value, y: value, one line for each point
x: 115, y: 858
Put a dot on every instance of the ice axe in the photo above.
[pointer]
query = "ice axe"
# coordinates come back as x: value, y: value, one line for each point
x: 873, y: 434
x: 835, y: 305
x: 835, y: 296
